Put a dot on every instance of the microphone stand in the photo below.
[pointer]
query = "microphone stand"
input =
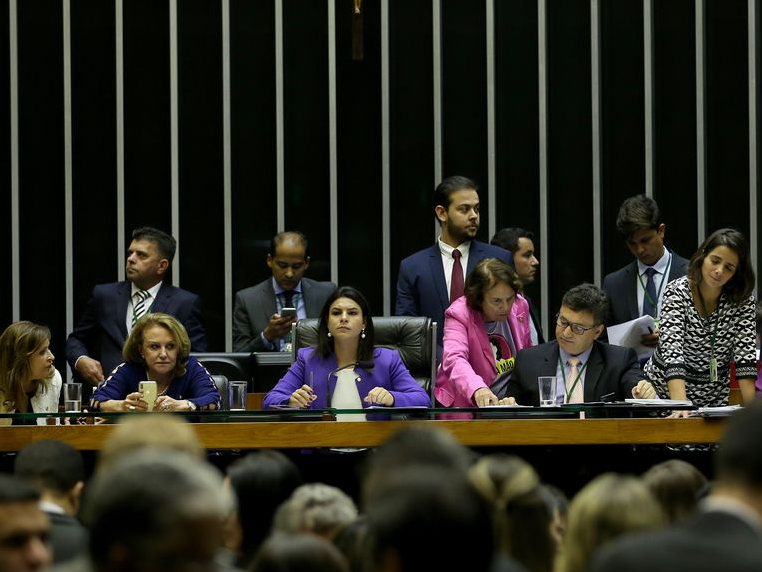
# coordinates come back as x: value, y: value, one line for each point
x: 364, y: 364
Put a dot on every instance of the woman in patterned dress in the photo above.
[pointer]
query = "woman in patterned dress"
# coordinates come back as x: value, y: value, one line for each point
x: 708, y: 321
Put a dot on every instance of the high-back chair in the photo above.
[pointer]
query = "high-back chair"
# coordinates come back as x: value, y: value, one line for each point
x: 413, y: 337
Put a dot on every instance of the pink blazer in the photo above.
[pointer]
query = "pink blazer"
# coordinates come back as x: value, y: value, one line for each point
x: 467, y: 359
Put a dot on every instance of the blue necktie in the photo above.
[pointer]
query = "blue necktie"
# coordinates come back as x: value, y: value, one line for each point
x: 649, y: 296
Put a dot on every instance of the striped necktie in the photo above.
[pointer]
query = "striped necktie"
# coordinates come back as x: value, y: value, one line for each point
x: 139, y: 306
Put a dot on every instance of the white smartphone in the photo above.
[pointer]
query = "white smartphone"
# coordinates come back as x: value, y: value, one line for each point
x: 148, y: 389
x: 288, y: 312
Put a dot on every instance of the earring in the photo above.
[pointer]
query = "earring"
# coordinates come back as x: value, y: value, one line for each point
x: 330, y: 335
x: 362, y: 334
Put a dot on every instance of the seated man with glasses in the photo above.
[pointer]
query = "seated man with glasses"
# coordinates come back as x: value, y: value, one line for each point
x: 586, y: 369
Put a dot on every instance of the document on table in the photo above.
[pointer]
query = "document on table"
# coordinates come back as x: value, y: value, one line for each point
x: 628, y: 334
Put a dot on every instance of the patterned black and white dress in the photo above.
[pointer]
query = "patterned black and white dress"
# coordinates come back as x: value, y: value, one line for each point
x: 685, y: 345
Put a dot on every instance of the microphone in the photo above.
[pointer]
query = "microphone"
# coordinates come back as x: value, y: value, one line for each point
x: 363, y: 364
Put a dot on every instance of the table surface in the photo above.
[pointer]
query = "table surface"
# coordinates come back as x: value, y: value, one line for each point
x: 477, y: 433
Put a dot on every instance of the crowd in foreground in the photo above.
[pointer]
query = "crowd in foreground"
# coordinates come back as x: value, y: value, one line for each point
x: 155, y: 503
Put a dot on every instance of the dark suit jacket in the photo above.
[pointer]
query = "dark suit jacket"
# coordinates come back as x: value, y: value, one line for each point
x: 712, y: 541
x: 102, y: 328
x: 254, y: 306
x: 610, y: 369
x: 621, y: 287
x: 535, y: 315
x: 421, y: 286
x: 67, y: 537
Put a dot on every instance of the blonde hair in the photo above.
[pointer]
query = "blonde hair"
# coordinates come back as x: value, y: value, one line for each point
x: 18, y: 343
x: 608, y: 507
x: 131, y: 351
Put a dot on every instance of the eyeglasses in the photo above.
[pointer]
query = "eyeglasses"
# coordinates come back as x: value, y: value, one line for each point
x: 578, y: 329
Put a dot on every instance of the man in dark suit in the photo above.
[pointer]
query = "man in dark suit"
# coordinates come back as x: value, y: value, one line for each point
x: 432, y: 278
x: 96, y: 343
x: 520, y: 243
x: 58, y: 471
x: 725, y: 533
x: 589, y: 369
x: 636, y: 289
x: 258, y: 323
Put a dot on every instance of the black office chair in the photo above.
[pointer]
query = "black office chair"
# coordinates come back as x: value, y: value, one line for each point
x: 223, y: 387
x: 234, y: 366
x: 413, y: 337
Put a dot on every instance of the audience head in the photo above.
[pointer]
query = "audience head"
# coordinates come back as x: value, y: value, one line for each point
x: 639, y: 223
x: 580, y: 320
x: 456, y: 206
x: 352, y: 542
x: 520, y: 243
x: 56, y: 469
x: 288, y: 258
x: 299, y: 553
x: 676, y: 485
x: 155, y: 511
x: 723, y: 260
x: 608, y: 507
x: 317, y: 508
x: 560, y: 513
x: 491, y: 288
x: 23, y: 527
x: 149, y: 256
x: 359, y: 320
x: 156, y: 431
x: 141, y: 345
x: 738, y: 462
x: 264, y: 479
x: 420, y: 508
x: 25, y: 358
x: 523, y: 509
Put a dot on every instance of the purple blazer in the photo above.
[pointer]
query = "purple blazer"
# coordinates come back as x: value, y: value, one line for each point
x: 388, y: 372
x: 467, y: 360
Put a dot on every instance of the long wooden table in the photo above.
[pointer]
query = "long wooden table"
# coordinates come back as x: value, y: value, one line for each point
x: 476, y: 433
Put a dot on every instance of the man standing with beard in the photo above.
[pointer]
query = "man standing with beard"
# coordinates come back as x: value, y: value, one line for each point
x: 432, y: 278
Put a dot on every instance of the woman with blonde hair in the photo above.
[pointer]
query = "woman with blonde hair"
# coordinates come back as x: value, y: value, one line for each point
x: 609, y: 506
x: 28, y: 381
x: 158, y: 349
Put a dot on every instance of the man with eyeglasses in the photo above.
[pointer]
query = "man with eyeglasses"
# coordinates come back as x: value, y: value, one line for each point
x: 587, y: 369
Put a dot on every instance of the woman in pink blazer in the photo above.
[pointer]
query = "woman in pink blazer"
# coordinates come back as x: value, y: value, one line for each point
x: 483, y: 330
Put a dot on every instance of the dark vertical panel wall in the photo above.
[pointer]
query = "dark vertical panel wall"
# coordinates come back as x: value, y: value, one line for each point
x: 305, y: 39
x: 41, y: 168
x: 727, y: 115
x: 622, y: 121
x: 570, y: 183
x: 675, y: 121
x: 147, y: 144
x: 411, y: 130
x: 6, y: 287
x: 358, y: 86
x: 464, y: 95
x: 517, y: 131
x: 202, y: 239
x: 93, y: 98
x: 252, y: 130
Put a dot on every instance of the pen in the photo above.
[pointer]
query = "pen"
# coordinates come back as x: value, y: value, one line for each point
x: 608, y: 397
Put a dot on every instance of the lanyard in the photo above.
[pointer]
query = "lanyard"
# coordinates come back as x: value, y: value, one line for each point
x: 661, y: 286
x: 712, y: 336
x: 576, y: 381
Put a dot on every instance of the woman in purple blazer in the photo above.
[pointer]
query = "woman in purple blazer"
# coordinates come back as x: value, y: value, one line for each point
x: 483, y: 330
x: 345, y: 344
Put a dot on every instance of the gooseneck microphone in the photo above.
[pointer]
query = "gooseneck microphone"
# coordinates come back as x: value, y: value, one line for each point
x: 362, y: 364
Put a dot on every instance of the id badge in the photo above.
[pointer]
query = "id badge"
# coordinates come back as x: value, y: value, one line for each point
x: 713, y: 370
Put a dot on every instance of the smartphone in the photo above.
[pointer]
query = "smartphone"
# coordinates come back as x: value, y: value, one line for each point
x: 148, y: 389
x: 288, y: 312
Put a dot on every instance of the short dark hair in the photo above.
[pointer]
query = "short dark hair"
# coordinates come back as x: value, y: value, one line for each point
x: 289, y: 236
x: 51, y: 465
x: 740, y: 286
x: 302, y: 551
x: 15, y: 489
x: 489, y: 273
x: 325, y: 344
x: 587, y: 298
x: 508, y: 238
x: 637, y: 213
x: 450, y: 185
x: 739, y: 458
x: 165, y: 243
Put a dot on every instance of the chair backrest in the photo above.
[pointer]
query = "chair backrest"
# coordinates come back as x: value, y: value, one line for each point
x: 223, y: 387
x: 234, y: 366
x: 414, y: 337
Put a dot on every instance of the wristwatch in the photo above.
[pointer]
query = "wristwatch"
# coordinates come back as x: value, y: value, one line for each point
x: 191, y: 405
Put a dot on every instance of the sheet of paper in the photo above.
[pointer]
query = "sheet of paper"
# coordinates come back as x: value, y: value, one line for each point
x: 628, y: 334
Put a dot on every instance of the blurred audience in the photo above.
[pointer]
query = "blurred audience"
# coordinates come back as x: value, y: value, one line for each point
x: 23, y: 527
x: 677, y: 486
x: 299, y: 553
x: 317, y: 508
